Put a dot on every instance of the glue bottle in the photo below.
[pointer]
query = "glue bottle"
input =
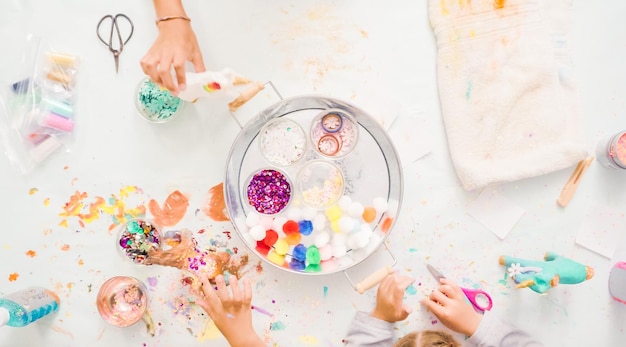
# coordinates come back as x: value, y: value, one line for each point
x: 25, y: 306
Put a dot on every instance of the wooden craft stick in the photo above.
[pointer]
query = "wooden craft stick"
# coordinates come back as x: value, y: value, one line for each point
x: 570, y: 187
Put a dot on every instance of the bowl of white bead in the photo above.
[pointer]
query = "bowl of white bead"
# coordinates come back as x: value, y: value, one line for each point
x: 342, y: 204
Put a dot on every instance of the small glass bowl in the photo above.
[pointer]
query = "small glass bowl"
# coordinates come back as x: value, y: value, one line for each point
x: 122, y: 301
x: 136, y: 238
x: 334, y: 133
x: 268, y: 191
x: 156, y: 104
x: 282, y: 142
x: 320, y: 184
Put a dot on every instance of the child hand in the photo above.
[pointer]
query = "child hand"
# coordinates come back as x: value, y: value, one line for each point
x: 389, y: 306
x: 231, y: 312
x: 175, y: 45
x: 448, y: 303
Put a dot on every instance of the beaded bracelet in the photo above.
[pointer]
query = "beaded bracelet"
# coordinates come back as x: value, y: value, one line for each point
x: 164, y: 19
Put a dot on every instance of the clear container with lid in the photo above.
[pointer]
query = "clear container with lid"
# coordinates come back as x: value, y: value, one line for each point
x: 611, y: 151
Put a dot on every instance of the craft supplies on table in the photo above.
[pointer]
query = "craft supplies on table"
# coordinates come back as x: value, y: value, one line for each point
x: 25, y: 306
x: 116, y: 45
x: 305, y: 207
x: 40, y: 112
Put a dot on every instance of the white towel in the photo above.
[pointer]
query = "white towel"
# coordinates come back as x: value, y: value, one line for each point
x: 508, y: 96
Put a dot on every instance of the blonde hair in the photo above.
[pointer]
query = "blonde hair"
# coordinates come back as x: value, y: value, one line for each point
x: 428, y: 338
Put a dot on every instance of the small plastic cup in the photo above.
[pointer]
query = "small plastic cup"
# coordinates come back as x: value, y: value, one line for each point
x: 320, y: 184
x: 156, y: 104
x: 282, y: 142
x: 334, y: 133
x: 268, y: 191
x: 136, y: 238
x: 122, y: 301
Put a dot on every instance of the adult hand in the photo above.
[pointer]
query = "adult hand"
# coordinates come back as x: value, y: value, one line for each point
x: 175, y: 45
x: 389, y: 305
x: 448, y: 303
x: 230, y: 311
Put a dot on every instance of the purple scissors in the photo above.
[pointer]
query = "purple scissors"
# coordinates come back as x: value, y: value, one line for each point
x: 477, y: 297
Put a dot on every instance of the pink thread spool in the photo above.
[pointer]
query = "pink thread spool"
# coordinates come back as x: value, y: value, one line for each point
x: 611, y: 151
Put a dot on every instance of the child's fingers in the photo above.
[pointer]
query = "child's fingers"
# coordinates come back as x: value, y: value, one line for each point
x: 432, y: 306
x: 405, y: 281
x: 439, y: 297
x: 449, y: 288
x: 247, y: 291
x: 234, y: 288
x: 222, y: 291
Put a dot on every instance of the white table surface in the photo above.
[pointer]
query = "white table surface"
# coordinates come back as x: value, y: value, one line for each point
x: 345, y: 49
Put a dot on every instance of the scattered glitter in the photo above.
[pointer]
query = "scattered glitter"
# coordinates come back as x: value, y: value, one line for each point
x: 31, y: 253
x: 13, y: 277
x: 277, y: 326
x: 46, y: 202
x: 32, y: 191
x: 411, y: 290
x: 269, y: 191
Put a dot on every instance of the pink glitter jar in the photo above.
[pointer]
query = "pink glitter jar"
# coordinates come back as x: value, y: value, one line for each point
x: 268, y: 191
x: 611, y: 152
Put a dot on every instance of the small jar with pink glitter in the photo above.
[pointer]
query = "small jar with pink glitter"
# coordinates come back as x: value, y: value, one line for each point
x: 611, y: 151
x: 268, y: 191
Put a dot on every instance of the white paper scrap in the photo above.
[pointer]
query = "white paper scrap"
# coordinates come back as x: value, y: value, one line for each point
x: 495, y: 212
x: 600, y: 229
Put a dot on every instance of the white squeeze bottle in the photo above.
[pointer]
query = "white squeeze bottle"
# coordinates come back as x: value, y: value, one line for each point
x: 23, y: 307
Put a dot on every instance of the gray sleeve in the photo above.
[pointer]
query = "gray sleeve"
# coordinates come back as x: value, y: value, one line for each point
x: 367, y: 331
x: 494, y: 331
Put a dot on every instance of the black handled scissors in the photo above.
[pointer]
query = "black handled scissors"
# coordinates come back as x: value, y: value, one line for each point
x: 116, y: 49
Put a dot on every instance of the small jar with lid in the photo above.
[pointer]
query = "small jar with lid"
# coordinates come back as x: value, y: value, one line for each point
x: 611, y: 151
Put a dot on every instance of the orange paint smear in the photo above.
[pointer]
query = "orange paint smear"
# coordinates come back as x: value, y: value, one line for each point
x: 499, y: 4
x: 386, y: 225
x: 173, y: 209
x: 31, y: 253
x: 215, y: 208
x: 13, y: 277
x: 73, y: 207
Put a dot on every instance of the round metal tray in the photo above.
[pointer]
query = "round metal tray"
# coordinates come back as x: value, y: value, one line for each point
x: 371, y: 172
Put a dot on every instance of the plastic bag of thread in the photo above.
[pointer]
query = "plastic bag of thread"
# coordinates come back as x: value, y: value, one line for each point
x: 39, y: 112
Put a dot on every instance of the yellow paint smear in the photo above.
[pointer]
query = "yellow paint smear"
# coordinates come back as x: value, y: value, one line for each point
x: 210, y: 332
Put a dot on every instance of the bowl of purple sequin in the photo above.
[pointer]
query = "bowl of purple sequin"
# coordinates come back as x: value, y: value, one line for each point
x: 313, y: 185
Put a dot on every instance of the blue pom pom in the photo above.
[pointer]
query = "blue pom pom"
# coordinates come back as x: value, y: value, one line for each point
x: 297, y: 265
x: 306, y: 227
x: 299, y: 252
